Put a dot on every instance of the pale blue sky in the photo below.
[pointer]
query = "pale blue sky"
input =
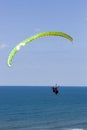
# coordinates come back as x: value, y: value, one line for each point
x: 48, y: 60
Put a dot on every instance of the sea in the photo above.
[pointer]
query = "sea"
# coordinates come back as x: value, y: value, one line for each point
x: 38, y: 108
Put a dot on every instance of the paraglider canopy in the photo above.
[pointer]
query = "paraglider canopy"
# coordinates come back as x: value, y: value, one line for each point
x: 27, y: 41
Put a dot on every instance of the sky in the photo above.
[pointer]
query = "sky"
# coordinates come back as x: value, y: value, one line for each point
x: 48, y: 60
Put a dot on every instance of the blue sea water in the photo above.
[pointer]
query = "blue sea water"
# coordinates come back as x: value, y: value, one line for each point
x: 38, y: 108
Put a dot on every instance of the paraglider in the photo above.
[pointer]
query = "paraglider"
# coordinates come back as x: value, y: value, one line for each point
x: 55, y: 89
x: 27, y: 41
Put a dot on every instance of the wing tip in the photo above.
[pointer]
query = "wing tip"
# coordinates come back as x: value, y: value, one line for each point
x: 9, y: 65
